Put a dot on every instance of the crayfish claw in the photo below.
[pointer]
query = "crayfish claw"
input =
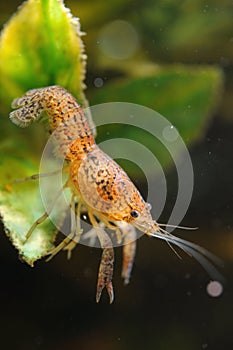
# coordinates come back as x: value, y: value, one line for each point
x: 110, y: 291
x: 105, y: 274
x: 109, y: 287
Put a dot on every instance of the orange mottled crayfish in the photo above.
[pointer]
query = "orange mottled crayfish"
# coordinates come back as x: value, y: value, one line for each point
x: 98, y: 184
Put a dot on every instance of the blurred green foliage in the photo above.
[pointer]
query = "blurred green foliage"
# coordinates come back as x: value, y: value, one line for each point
x: 185, y: 95
x: 184, y: 31
x: 194, y: 31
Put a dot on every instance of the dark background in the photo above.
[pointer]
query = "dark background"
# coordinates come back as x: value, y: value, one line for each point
x: 165, y: 306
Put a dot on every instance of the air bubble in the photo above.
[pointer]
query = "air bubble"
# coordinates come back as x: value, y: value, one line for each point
x: 119, y: 40
x: 170, y: 133
x: 214, y: 289
x: 98, y: 82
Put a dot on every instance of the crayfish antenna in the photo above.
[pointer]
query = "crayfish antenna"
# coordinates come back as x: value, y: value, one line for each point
x: 205, y: 258
x: 177, y: 226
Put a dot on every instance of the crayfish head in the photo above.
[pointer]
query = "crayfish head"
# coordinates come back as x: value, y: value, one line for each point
x: 138, y: 212
x: 144, y: 222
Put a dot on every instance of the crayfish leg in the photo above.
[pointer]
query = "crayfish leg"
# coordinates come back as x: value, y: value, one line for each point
x: 60, y: 246
x: 75, y: 226
x: 107, y: 261
x: 42, y: 218
x: 36, y: 176
x: 70, y: 242
x: 129, y: 250
x: 114, y: 227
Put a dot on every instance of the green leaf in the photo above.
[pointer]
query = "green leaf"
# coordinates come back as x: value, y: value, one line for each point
x: 20, y: 204
x: 41, y: 45
x: 186, y: 96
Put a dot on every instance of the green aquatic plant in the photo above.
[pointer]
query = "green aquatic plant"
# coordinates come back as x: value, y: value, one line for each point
x: 40, y: 45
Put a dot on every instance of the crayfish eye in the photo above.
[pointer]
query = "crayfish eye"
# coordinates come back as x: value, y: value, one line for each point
x: 134, y: 214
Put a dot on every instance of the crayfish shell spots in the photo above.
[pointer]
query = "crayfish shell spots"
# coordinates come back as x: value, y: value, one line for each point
x: 107, y: 189
x: 96, y: 181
